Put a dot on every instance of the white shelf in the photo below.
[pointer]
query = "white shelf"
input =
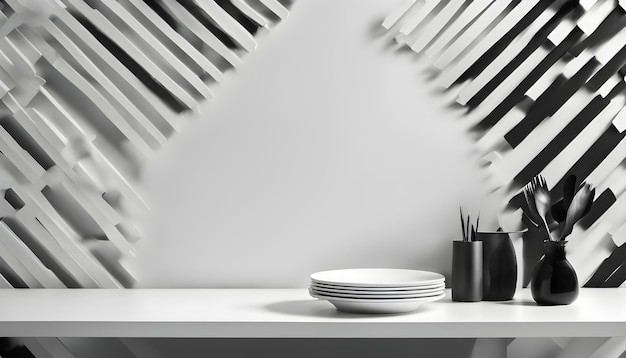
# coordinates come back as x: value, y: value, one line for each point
x: 286, y: 313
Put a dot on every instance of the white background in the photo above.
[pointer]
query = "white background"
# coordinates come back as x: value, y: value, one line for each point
x: 328, y: 148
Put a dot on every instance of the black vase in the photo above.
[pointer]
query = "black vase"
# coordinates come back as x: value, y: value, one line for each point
x: 467, y: 271
x: 499, y: 266
x: 554, y: 280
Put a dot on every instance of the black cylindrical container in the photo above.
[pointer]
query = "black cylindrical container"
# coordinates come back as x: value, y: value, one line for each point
x: 467, y: 271
x: 499, y: 266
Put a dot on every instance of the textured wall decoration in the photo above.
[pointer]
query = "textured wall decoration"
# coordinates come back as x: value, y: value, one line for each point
x: 89, y: 90
x: 543, y: 82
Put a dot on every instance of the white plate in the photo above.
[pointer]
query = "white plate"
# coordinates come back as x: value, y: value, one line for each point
x: 377, y: 294
x: 380, y: 306
x: 380, y: 289
x: 376, y: 277
x: 369, y: 296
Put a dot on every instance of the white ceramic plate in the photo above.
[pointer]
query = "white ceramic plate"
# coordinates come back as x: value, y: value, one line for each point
x: 404, y: 289
x: 378, y: 294
x: 369, y: 296
x: 376, y: 277
x: 379, y: 306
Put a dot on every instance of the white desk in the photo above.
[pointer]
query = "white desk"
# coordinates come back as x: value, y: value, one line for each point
x: 290, y: 313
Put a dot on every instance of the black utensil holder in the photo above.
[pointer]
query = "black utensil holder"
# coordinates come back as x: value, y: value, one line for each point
x: 499, y: 266
x: 467, y: 271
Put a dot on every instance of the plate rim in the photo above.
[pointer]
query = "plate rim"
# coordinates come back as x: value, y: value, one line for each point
x: 376, y: 297
x: 382, y: 289
x: 380, y: 301
x: 315, y: 278
x: 378, y: 293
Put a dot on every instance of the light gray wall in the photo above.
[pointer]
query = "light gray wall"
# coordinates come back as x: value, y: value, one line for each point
x: 326, y: 149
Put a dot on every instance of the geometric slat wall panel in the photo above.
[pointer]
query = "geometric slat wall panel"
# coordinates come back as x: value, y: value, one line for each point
x: 543, y: 82
x: 89, y: 89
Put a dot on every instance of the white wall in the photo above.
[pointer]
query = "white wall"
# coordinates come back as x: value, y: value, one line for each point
x: 328, y: 148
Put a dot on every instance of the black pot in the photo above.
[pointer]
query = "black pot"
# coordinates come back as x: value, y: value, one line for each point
x: 554, y: 280
x: 499, y: 266
x: 467, y: 271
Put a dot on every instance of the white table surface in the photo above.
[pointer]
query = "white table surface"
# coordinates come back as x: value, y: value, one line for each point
x: 286, y: 313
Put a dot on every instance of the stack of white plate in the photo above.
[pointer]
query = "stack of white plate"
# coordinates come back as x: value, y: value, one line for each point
x: 374, y: 290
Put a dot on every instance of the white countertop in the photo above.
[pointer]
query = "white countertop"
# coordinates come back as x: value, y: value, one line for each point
x: 285, y: 313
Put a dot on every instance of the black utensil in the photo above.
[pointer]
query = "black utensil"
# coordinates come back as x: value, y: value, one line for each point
x: 559, y: 210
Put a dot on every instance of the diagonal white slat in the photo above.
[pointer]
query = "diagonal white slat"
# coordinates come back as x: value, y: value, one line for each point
x: 108, y: 29
x: 4, y: 283
x: 587, y: 4
x: 247, y: 10
x: 175, y: 37
x: 56, y: 248
x: 116, y: 177
x: 102, y: 104
x: 45, y: 126
x: 609, y: 85
x: 28, y: 124
x: 64, y: 121
x: 21, y: 67
x: 592, y: 18
x: 18, y: 267
x: 491, y: 15
x: 430, y: 31
x: 582, y: 242
x: 276, y: 7
x: 609, y: 49
x: 415, y: 19
x: 619, y: 235
x: 158, y: 48
x: 495, y: 136
x: 608, y: 164
x: 19, y: 157
x: 451, y: 74
x: 506, y: 86
x: 615, y: 183
x: 39, y: 211
x: 620, y: 120
x: 395, y: 15
x: 228, y: 24
x: 84, y: 63
x: 507, y: 55
x: 615, y: 216
x: 105, y: 65
x: 561, y: 163
x: 184, y: 17
x: 97, y: 214
x: 530, y: 147
x: 473, y: 10
x: 544, y: 82
x: 14, y: 245
x: 562, y: 30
